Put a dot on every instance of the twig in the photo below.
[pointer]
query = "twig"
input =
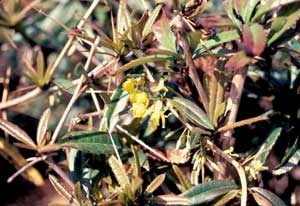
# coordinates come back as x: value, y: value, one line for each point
x: 72, y: 38
x: 37, y: 91
x: 239, y: 168
x: 25, y: 167
x: 5, y: 94
x: 60, y: 172
x: 193, y: 71
x: 76, y: 94
x: 242, y: 123
x: 142, y: 143
x: 233, y: 103
x: 21, y: 99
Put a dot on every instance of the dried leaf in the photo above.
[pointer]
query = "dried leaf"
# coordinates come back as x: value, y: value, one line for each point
x: 155, y: 183
x: 60, y: 189
x: 254, y: 39
x: 237, y: 61
x: 183, y: 180
x: 269, y: 196
x: 42, y: 127
x: 178, y: 156
x: 16, y: 132
x: 170, y: 199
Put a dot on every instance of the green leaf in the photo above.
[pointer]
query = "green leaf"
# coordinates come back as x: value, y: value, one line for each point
x: 216, y: 40
x: 254, y: 38
x: 216, y: 104
x: 117, y: 104
x: 91, y: 142
x: 192, y: 112
x: 286, y: 18
x: 144, y: 60
x: 232, y: 11
x: 249, y: 9
x: 271, y: 197
x: 150, y: 21
x: 121, y: 176
x: 267, y: 146
x: 207, y: 192
x: 291, y: 163
x: 270, y: 5
x: 226, y: 198
x: 163, y: 33
x: 65, y: 84
x: 40, y: 65
x: 183, y: 180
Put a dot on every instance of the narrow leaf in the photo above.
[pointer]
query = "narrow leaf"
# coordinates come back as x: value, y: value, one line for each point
x: 183, y: 180
x: 170, y: 199
x: 192, y: 112
x: 267, y: 146
x: 270, y: 5
x: 117, y: 104
x: 249, y: 9
x: 40, y: 65
x: 291, y: 163
x: 65, y: 85
x: 60, y: 188
x: 91, y: 141
x: 209, y: 191
x: 16, y: 132
x: 232, y: 12
x: 155, y: 183
x: 150, y: 21
x: 261, y: 200
x: 43, y: 126
x: 271, y: 197
x: 216, y: 40
x: 287, y: 17
x: 226, y: 198
x: 144, y: 60
x: 120, y: 174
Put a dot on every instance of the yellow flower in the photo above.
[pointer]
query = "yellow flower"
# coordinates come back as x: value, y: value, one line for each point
x: 254, y: 168
x: 231, y: 153
x: 138, y: 110
x: 140, y: 97
x: 156, y: 115
x: 128, y: 85
x: 139, y: 81
x: 160, y: 86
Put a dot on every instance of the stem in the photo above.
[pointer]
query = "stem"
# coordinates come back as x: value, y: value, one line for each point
x: 239, y: 168
x: 72, y: 38
x: 160, y: 156
x: 60, y: 172
x: 76, y: 94
x: 233, y: 103
x: 25, y: 167
x: 193, y: 71
x: 242, y: 123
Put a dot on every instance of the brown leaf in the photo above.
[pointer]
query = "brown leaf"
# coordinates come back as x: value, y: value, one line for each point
x: 237, y: 61
x: 178, y: 156
x: 261, y: 200
x: 42, y: 127
x: 16, y: 132
x: 254, y: 39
